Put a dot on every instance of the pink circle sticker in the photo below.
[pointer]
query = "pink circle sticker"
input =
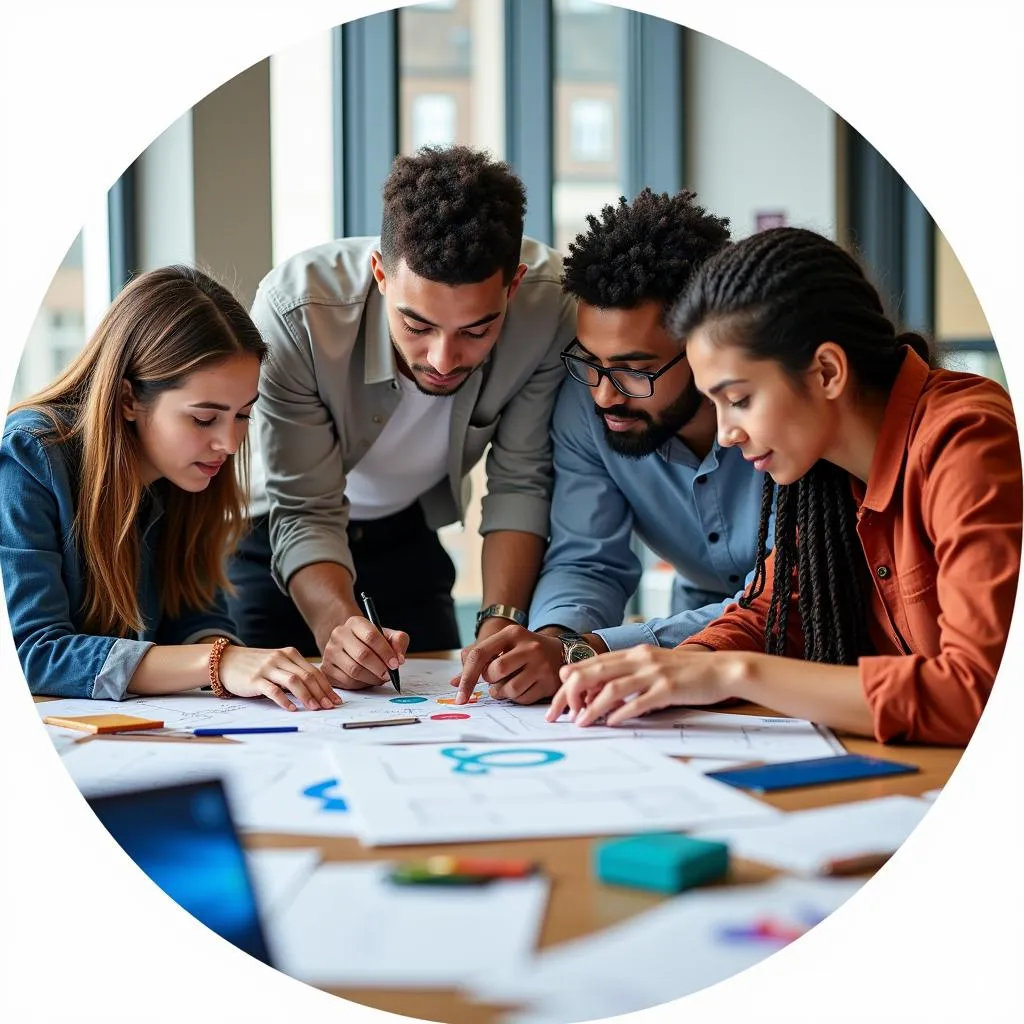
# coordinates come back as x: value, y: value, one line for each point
x: 447, y: 717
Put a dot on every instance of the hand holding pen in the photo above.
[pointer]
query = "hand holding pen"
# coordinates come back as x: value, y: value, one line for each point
x: 361, y: 652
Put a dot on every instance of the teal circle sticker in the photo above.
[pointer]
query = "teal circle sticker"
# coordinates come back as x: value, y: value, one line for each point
x: 408, y: 700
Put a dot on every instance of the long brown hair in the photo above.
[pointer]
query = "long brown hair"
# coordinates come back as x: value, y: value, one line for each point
x: 164, y: 326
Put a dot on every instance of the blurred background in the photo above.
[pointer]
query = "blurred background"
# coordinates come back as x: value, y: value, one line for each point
x: 586, y: 101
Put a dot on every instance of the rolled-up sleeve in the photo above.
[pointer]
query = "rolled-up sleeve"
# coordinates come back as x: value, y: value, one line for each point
x: 972, y: 505
x: 305, y: 477
x: 519, y: 473
x: 57, y: 660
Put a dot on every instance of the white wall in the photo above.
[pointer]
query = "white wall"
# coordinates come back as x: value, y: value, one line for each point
x: 756, y: 141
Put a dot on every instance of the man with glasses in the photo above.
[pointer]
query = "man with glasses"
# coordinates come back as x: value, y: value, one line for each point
x: 635, y: 452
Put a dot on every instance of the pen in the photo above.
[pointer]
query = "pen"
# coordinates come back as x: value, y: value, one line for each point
x: 374, y: 723
x: 371, y: 614
x: 228, y: 731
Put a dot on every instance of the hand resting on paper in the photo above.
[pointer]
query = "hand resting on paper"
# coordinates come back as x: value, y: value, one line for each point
x: 253, y: 672
x: 621, y: 685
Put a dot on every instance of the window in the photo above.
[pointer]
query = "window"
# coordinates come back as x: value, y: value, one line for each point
x: 588, y: 69
x: 434, y: 119
x: 301, y: 147
x: 591, y: 131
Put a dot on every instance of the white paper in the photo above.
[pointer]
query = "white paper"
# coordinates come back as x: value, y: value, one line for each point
x: 664, y: 954
x: 468, y: 792
x: 349, y: 926
x: 289, y: 789
x: 805, y: 841
x: 105, y: 765
x: 307, y: 799
x: 277, y: 875
x: 741, y: 737
x: 932, y: 795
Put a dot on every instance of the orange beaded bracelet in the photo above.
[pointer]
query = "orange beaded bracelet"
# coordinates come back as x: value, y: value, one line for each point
x: 216, y: 651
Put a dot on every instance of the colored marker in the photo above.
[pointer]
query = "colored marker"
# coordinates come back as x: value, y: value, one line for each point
x: 240, y: 732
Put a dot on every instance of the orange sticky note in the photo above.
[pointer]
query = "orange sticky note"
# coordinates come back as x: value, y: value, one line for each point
x: 103, y: 723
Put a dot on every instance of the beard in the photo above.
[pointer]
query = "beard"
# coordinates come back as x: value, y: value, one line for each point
x: 415, y: 369
x: 659, y: 429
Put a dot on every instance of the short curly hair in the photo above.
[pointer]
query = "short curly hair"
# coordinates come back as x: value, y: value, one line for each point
x: 642, y: 251
x: 454, y: 215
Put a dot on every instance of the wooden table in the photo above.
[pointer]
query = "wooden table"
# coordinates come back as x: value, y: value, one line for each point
x: 578, y: 905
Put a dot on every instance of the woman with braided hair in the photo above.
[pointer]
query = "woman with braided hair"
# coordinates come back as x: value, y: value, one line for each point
x: 884, y: 608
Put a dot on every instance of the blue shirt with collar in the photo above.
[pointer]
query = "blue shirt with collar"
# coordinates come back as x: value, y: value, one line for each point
x: 44, y: 574
x: 699, y: 515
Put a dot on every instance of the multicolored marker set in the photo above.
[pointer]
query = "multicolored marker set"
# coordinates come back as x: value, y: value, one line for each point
x: 461, y: 871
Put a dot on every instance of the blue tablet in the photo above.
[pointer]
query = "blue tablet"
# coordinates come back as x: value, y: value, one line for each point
x: 793, y: 774
x: 183, y: 837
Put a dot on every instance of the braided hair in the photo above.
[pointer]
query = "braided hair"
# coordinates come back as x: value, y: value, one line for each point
x: 780, y: 294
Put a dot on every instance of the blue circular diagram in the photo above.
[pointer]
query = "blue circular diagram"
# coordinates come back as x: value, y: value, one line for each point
x: 481, y: 764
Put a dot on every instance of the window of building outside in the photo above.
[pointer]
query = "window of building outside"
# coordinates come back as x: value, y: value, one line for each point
x: 959, y: 318
x: 452, y: 90
x: 588, y: 112
x: 75, y: 300
x: 301, y: 146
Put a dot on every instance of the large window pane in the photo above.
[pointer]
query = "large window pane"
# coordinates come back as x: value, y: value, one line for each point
x: 588, y: 112
x: 58, y: 332
x: 452, y: 90
x: 961, y: 329
x: 301, y: 147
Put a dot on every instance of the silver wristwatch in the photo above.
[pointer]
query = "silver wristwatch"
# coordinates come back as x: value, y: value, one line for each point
x: 575, y: 648
x: 500, y: 611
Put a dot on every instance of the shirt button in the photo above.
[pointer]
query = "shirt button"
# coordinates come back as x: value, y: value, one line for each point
x: 883, y: 572
x: 702, y: 479
x: 734, y: 578
x: 713, y: 537
x: 376, y: 419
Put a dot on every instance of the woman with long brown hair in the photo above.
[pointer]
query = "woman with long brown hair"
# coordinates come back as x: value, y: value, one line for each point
x: 120, y: 502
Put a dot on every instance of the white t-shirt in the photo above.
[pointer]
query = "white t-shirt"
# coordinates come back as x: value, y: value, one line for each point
x: 408, y: 458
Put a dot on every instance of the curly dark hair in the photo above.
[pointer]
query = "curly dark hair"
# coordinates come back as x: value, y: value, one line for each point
x: 644, y: 250
x: 454, y: 215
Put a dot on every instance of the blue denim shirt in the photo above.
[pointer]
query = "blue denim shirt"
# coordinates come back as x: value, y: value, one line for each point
x: 43, y: 573
x: 700, y: 516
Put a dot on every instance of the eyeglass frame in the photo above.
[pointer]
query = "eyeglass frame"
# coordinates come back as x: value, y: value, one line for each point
x: 607, y: 371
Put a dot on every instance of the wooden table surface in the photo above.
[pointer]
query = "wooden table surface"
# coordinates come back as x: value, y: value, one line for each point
x: 578, y: 905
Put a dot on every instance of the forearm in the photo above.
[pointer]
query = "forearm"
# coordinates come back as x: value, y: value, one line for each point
x: 324, y: 594
x: 171, y: 669
x: 511, y: 562
x: 831, y: 695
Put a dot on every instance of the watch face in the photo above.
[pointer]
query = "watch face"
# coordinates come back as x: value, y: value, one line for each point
x: 579, y: 652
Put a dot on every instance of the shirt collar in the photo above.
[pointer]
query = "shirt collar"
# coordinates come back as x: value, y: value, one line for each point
x: 380, y: 355
x: 891, y: 446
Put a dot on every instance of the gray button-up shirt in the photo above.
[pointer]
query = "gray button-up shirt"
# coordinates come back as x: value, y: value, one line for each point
x: 328, y: 389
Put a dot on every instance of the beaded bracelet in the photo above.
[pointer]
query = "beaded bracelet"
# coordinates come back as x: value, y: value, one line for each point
x: 216, y: 651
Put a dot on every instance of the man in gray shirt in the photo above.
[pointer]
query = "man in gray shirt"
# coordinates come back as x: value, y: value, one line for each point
x: 394, y: 362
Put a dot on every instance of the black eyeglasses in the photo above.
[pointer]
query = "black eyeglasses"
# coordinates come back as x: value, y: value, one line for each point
x: 631, y: 383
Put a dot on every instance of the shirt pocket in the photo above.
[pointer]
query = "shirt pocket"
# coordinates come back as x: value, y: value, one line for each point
x: 478, y: 437
x: 918, y: 582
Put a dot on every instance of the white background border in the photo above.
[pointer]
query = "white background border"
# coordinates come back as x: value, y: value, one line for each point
x: 85, y: 85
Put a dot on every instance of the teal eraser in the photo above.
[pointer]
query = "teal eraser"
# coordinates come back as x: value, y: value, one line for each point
x: 662, y: 862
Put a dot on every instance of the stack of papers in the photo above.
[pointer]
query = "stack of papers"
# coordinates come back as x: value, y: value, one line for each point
x: 808, y: 842
x: 478, y: 791
x: 686, y: 944
x: 350, y: 926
